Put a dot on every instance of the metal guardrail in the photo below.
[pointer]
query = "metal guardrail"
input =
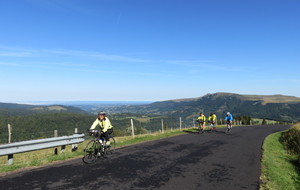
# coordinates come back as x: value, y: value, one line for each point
x: 27, y: 146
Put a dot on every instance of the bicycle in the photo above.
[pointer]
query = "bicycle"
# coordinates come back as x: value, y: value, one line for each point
x: 229, y: 126
x: 201, y: 126
x: 212, y: 127
x: 97, y: 148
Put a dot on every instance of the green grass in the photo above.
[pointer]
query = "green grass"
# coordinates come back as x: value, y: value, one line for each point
x: 278, y: 170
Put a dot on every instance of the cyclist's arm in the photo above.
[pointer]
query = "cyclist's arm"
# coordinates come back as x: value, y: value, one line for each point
x: 94, y: 125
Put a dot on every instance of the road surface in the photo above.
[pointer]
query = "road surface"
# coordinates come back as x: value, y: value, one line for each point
x: 189, y: 161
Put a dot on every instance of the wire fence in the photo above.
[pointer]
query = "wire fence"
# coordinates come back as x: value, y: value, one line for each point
x: 122, y: 127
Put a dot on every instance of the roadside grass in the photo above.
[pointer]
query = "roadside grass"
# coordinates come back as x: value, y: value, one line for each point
x: 278, y: 168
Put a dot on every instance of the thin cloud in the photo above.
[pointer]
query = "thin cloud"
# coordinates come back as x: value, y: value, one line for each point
x: 62, y: 64
x: 9, y: 64
x: 189, y: 62
x: 14, y: 54
x: 206, y: 64
x: 98, y: 55
x: 123, y: 73
x: 17, y: 52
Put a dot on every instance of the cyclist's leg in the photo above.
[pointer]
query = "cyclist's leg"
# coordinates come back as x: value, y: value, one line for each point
x: 214, y: 126
x: 227, y: 127
x: 203, y: 127
x: 107, y: 136
x: 200, y: 127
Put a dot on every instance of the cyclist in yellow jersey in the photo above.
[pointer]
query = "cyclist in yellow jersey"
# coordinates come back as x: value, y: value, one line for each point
x: 201, y: 121
x: 105, y: 126
x: 212, y: 119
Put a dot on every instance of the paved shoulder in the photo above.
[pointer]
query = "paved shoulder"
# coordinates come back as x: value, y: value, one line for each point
x: 191, y: 161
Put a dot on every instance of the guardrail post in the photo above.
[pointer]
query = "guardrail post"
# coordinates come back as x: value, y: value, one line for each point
x: 162, y: 126
x: 75, y: 146
x: 55, y: 133
x: 9, y: 133
x: 63, y: 148
x: 10, y: 159
x: 55, y: 149
x: 180, y: 122
x: 132, y: 128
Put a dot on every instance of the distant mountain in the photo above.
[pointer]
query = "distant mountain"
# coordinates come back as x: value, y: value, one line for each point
x: 275, y: 107
x: 25, y: 109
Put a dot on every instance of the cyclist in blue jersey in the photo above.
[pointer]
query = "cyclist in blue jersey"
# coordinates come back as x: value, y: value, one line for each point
x: 229, y: 119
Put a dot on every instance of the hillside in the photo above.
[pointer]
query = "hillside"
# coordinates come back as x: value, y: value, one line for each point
x: 10, y: 109
x: 33, y: 122
x: 275, y: 107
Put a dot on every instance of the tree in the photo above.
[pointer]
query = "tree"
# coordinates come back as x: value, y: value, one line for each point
x: 245, y: 119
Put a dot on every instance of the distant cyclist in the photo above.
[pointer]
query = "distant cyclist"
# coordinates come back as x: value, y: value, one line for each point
x: 201, y: 121
x: 212, y: 119
x: 229, y: 119
x: 105, y: 126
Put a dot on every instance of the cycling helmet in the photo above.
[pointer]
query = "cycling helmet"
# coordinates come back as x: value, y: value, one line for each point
x: 102, y: 113
x: 228, y: 113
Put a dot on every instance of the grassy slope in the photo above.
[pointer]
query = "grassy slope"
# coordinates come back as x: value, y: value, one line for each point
x: 278, y: 171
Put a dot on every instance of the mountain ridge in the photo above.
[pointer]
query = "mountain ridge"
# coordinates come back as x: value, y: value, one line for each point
x: 26, y: 109
x: 276, y: 107
x: 276, y: 98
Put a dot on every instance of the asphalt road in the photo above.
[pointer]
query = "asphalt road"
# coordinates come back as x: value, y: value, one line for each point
x: 191, y: 161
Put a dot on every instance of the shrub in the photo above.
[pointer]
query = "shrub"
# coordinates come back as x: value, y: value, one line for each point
x: 291, y: 140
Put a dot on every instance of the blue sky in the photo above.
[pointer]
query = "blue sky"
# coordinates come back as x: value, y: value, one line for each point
x: 147, y: 50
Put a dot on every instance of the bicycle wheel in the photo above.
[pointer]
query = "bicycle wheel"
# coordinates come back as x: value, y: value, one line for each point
x: 227, y: 130
x: 200, y: 130
x: 111, y: 148
x: 90, y: 152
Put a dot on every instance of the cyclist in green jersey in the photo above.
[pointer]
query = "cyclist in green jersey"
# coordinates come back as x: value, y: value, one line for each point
x: 201, y: 121
x: 212, y: 119
x: 105, y: 126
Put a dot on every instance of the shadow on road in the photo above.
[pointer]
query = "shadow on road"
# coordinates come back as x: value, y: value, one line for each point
x: 196, y: 131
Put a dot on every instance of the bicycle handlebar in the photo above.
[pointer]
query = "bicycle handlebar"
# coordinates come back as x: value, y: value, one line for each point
x: 94, y: 133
